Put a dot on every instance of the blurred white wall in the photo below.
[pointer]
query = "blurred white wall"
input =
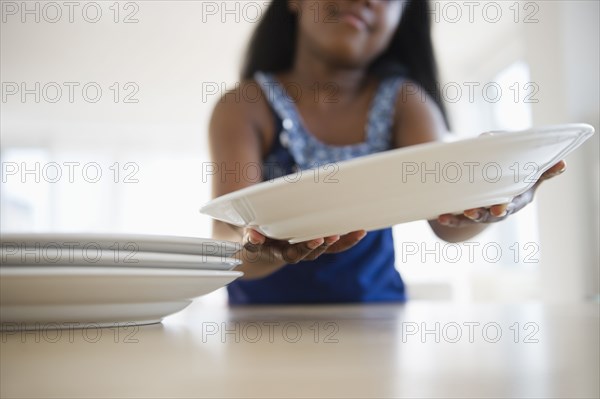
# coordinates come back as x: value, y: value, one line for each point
x: 559, y: 42
x: 169, y: 61
x: 564, y: 56
x: 160, y: 57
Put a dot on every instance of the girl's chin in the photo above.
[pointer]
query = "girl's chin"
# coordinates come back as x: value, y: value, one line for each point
x: 348, y: 58
x: 347, y: 50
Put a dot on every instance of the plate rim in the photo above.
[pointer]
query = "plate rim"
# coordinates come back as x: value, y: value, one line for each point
x: 82, y: 271
x: 121, y: 238
x: 584, y: 130
x: 145, y: 257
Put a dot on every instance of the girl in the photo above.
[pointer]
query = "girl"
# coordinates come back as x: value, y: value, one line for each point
x: 354, y: 66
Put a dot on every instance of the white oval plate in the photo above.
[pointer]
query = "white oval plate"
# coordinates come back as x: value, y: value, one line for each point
x: 79, y: 297
x: 94, y: 256
x: 123, y: 242
x: 398, y: 186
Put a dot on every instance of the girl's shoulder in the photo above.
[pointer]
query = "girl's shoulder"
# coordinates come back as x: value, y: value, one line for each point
x: 242, y: 95
x: 417, y: 117
x: 242, y: 110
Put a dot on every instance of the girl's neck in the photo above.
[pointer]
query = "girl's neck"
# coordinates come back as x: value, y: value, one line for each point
x: 309, y: 69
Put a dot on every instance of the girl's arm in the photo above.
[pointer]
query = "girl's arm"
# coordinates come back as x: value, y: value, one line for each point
x: 238, y: 135
x: 419, y: 120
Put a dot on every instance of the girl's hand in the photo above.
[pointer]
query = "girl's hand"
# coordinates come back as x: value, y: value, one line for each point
x: 254, y: 241
x: 496, y: 213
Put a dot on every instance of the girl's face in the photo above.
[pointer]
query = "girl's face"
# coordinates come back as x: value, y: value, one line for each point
x: 347, y: 33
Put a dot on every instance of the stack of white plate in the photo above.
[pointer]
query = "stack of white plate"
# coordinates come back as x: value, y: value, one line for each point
x: 82, y: 280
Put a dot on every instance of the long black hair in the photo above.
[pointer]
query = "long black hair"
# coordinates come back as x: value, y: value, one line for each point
x: 410, y: 52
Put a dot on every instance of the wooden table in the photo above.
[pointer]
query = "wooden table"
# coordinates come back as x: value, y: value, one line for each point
x: 421, y: 349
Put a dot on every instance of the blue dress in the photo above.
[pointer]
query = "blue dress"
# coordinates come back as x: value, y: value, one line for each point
x: 365, y: 272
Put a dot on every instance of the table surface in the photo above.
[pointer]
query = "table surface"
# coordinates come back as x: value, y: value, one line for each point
x: 420, y: 349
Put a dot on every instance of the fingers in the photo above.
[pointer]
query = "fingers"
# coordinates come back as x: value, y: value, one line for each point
x: 476, y: 214
x: 492, y: 214
x: 446, y: 219
x: 499, y: 211
x: 294, y: 253
x: 450, y: 220
x: 489, y: 215
x: 466, y: 218
x: 256, y: 242
x: 347, y: 241
x: 322, y: 248
x: 316, y: 253
x: 555, y: 170
x: 253, y: 240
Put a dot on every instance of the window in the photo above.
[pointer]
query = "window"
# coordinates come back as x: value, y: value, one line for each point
x: 501, y: 262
